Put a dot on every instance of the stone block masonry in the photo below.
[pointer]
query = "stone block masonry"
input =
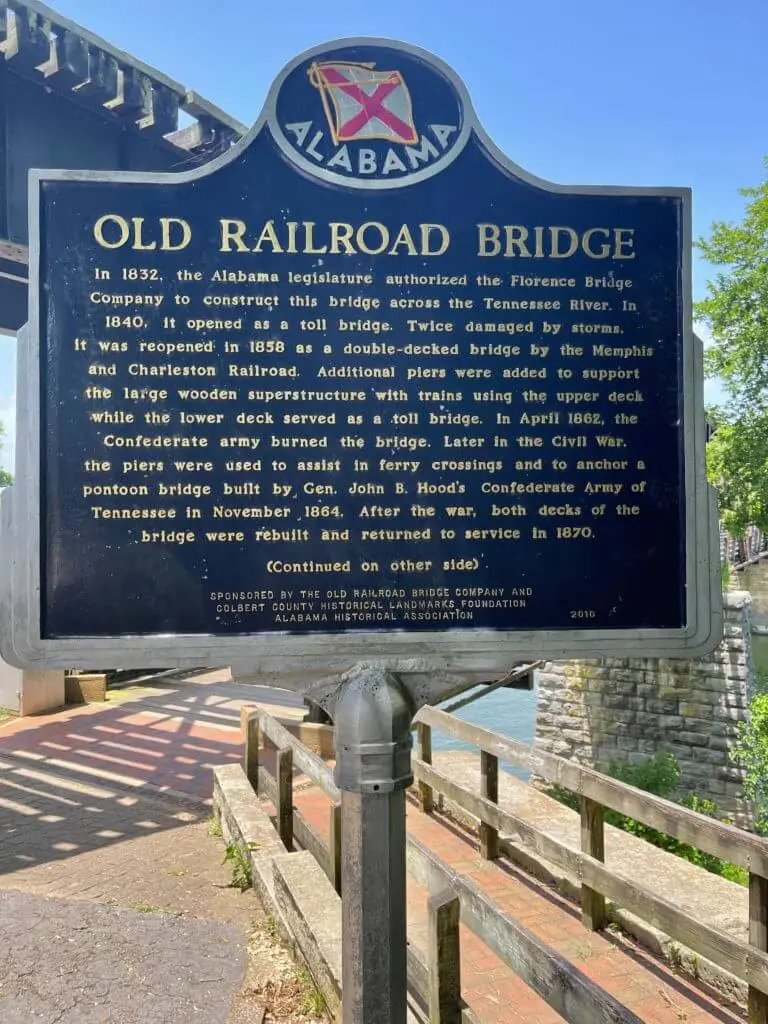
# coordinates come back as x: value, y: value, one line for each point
x: 625, y: 711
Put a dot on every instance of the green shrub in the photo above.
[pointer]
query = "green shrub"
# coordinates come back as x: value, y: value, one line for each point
x: 659, y: 775
x: 751, y: 753
x: 725, y: 575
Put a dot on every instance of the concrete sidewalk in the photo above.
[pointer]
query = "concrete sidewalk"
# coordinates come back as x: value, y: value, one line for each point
x: 114, y: 902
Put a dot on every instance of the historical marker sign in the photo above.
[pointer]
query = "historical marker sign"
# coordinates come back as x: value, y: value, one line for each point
x: 361, y: 387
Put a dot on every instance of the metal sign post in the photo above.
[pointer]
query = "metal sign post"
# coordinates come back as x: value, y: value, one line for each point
x: 373, y: 769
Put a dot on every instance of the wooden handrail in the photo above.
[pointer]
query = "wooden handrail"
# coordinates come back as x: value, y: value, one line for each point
x: 747, y: 961
x: 740, y: 959
x: 559, y: 983
x: 721, y: 840
x: 310, y: 764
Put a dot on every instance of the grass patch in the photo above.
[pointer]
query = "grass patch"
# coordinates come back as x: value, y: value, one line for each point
x: 312, y: 1001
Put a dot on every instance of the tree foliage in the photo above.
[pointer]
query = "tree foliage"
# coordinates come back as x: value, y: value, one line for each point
x: 751, y: 752
x: 737, y: 462
x: 736, y: 312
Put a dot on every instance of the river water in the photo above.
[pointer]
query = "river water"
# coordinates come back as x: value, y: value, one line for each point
x: 509, y: 712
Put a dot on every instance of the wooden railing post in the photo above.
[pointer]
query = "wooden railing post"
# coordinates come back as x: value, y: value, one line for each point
x: 593, y: 913
x: 249, y: 724
x: 424, y: 751
x: 758, y: 937
x: 285, y: 796
x: 335, y: 846
x: 489, y: 788
x: 444, y: 959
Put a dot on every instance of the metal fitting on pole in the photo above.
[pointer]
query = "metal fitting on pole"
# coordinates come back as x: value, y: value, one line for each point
x: 373, y: 733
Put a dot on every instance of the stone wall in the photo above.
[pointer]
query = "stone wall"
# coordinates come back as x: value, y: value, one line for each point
x: 621, y: 710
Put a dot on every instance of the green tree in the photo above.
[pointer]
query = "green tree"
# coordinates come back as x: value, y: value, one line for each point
x: 737, y: 462
x: 736, y: 312
x: 5, y: 476
x: 751, y: 752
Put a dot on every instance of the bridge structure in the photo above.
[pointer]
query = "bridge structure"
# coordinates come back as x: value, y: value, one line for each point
x: 544, y: 913
x: 70, y: 99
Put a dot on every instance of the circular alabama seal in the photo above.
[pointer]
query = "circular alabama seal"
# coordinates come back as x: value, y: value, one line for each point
x: 370, y: 113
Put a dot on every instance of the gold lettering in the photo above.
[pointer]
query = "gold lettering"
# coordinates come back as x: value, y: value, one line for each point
x: 516, y: 236
x: 488, y: 236
x: 383, y: 240
x: 268, y: 234
x: 309, y: 242
x: 620, y: 242
x: 445, y: 239
x: 554, y: 234
x: 405, y: 238
x: 341, y: 236
x: 165, y: 238
x: 138, y: 242
x: 232, y: 231
x: 603, y: 251
x: 554, y: 242
x: 120, y: 222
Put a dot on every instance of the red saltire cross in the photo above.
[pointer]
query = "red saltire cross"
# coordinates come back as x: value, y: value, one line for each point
x: 372, y: 106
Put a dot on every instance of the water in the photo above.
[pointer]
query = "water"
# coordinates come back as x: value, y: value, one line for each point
x: 509, y: 712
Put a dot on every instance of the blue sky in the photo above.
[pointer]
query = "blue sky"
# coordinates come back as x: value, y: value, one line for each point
x: 651, y: 92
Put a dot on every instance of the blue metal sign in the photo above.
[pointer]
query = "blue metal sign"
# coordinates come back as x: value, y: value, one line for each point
x: 366, y: 376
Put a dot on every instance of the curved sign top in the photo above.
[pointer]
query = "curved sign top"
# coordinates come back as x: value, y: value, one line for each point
x: 367, y: 115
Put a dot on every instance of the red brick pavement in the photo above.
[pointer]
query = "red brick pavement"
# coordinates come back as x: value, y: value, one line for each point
x: 638, y: 980
x: 128, y: 745
x: 160, y: 749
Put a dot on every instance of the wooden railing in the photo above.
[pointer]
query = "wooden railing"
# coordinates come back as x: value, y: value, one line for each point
x: 747, y: 961
x: 278, y: 788
x: 435, y: 981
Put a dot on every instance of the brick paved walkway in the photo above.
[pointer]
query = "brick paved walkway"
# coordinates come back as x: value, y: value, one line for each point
x: 115, y: 903
x: 165, y: 740
x: 636, y: 978
x: 62, y: 772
